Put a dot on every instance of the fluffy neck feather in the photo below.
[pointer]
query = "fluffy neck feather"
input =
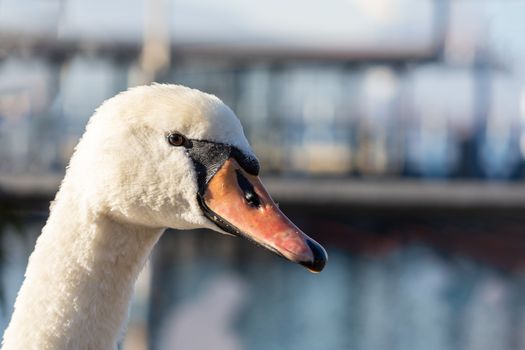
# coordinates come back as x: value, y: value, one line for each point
x: 79, y: 281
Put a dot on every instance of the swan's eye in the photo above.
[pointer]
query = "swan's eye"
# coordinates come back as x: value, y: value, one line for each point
x: 176, y: 139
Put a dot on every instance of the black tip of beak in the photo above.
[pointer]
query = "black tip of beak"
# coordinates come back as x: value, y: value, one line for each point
x: 319, y: 257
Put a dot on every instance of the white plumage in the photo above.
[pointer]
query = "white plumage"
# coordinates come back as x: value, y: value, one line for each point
x: 123, y: 186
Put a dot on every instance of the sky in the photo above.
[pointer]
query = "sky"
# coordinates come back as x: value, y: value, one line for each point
x: 339, y: 23
x: 321, y: 25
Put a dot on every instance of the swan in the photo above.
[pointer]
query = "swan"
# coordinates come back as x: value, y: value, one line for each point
x: 152, y: 157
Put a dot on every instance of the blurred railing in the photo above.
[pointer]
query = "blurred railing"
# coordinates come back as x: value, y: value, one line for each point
x: 428, y: 120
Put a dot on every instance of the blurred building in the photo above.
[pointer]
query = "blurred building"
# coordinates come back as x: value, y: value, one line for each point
x: 430, y: 92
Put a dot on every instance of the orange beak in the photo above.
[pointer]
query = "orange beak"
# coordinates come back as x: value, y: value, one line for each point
x: 238, y: 203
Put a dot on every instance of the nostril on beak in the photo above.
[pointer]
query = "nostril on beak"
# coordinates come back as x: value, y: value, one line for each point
x: 247, y: 188
x: 319, y: 259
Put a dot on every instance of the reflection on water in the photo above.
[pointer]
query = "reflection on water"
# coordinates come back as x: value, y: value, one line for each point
x: 215, y: 291
x: 16, y: 247
x: 213, y: 309
x: 410, y: 298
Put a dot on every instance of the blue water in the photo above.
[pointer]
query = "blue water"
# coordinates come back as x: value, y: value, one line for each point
x: 213, y: 291
x: 409, y: 298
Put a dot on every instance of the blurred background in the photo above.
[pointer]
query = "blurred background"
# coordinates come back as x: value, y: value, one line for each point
x: 392, y: 131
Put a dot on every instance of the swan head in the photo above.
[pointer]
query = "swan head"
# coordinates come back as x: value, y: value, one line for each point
x: 171, y: 156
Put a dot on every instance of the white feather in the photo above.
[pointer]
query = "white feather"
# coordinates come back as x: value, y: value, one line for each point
x: 125, y: 184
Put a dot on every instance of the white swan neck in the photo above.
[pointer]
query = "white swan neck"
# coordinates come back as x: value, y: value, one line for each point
x: 79, y: 281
